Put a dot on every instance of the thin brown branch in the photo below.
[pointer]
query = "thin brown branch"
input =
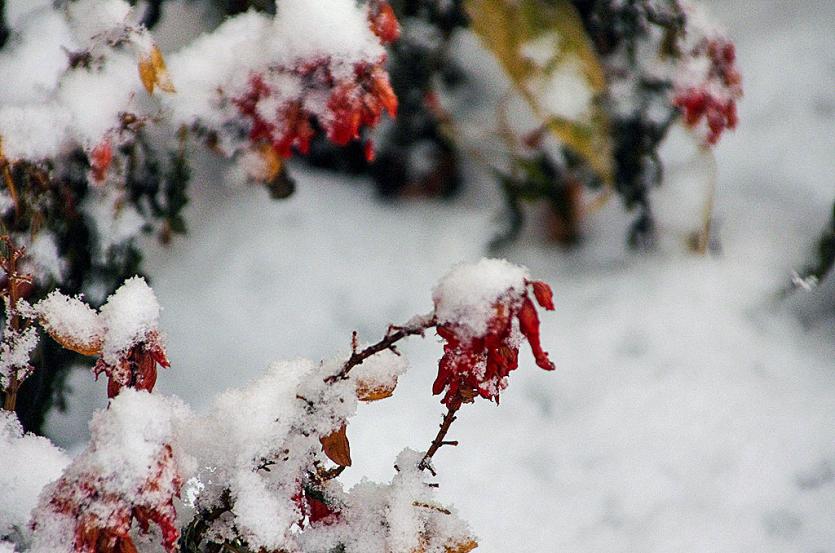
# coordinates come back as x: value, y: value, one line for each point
x: 9, y: 263
x: 439, y: 441
x: 394, y: 335
x: 431, y: 507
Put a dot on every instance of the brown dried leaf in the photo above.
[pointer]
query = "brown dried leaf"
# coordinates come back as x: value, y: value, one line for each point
x: 374, y: 391
x: 336, y: 447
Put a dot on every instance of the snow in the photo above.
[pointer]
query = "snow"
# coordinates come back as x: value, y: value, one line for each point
x: 115, y: 221
x: 28, y: 463
x: 691, y: 410
x: 91, y: 18
x: 542, y: 49
x: 44, y: 254
x: 467, y: 295
x: 333, y: 28
x: 565, y: 92
x: 81, y: 105
x: 15, y: 351
x: 70, y: 320
x: 130, y: 313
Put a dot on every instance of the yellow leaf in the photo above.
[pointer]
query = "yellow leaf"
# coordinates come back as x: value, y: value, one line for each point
x: 336, y: 447
x: 545, y: 50
x: 153, y: 73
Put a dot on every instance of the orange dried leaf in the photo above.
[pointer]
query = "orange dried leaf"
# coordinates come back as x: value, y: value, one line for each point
x: 336, y: 447
x: 163, y: 78
x: 463, y: 547
x: 91, y: 347
x: 147, y: 74
x: 153, y: 73
x: 272, y: 162
x: 374, y: 391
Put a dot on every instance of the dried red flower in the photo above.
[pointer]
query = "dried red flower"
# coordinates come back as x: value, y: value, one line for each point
x: 383, y: 21
x: 104, y: 518
x: 352, y: 105
x: 479, y: 365
x: 137, y: 368
x: 101, y: 156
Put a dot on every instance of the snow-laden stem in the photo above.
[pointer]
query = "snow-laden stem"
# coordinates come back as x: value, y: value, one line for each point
x: 418, y: 325
x: 10, y: 266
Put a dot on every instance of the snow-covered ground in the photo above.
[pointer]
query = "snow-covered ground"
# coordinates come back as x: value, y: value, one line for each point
x: 691, y: 411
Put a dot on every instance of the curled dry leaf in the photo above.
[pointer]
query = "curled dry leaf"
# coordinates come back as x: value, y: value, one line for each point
x: 336, y: 447
x: 153, y: 73
x: 374, y: 391
x: 89, y: 347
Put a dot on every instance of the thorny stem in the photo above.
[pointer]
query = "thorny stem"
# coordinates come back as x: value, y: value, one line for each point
x: 394, y: 335
x: 439, y: 441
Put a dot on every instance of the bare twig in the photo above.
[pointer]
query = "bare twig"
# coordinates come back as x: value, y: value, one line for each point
x: 439, y: 441
x: 431, y: 507
x: 394, y: 335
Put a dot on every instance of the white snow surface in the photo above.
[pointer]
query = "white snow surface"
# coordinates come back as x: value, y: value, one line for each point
x: 691, y: 410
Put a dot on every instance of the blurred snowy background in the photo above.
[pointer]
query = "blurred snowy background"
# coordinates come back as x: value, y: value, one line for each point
x: 691, y: 410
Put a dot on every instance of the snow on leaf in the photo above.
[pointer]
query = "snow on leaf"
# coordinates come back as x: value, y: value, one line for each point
x: 71, y: 322
x: 551, y: 61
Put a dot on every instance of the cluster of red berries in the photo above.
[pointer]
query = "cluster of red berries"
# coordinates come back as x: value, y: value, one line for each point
x: 479, y: 365
x: 715, y: 99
